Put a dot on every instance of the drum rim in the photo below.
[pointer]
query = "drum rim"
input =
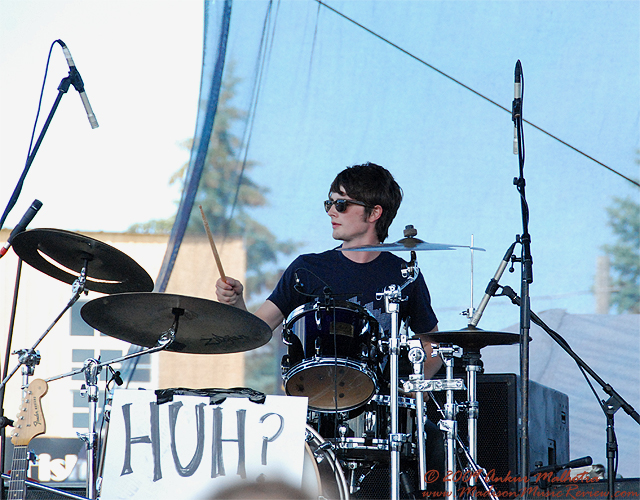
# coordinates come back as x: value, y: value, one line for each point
x: 337, y: 304
x: 311, y: 435
x: 361, y: 366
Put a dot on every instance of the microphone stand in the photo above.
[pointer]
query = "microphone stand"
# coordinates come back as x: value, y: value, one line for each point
x: 91, y: 369
x: 28, y: 358
x: 613, y: 404
x: 4, y: 421
x: 63, y: 88
x: 526, y: 279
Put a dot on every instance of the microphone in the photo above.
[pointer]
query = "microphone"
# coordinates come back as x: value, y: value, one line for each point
x: 574, y: 464
x: 78, y: 84
x: 516, y: 110
x: 22, y: 225
x: 492, y: 286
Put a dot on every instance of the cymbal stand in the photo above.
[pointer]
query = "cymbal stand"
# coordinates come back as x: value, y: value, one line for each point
x: 448, y: 424
x: 392, y: 297
x: 476, y: 471
x: 473, y: 364
x: 28, y: 356
x: 92, y: 369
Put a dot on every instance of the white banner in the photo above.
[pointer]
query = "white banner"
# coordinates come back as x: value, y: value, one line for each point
x: 189, y: 449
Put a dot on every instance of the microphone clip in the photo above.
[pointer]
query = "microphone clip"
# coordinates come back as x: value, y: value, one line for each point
x: 516, y: 109
x: 410, y: 269
x: 76, y: 79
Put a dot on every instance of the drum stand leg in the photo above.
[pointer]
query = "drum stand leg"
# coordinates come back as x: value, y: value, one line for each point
x: 416, y: 358
x: 91, y: 370
x: 449, y: 423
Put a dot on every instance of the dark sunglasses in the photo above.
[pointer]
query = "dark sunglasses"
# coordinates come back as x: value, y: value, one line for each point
x: 341, y: 205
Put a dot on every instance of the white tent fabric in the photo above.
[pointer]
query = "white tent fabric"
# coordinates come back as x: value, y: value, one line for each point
x: 610, y: 345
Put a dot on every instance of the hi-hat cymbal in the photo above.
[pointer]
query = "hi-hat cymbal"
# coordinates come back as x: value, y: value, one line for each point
x: 474, y: 338
x: 204, y: 326
x: 108, y: 270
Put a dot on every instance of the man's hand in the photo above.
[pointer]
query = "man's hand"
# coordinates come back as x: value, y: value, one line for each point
x: 230, y: 292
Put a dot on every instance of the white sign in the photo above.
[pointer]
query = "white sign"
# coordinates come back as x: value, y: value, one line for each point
x: 188, y: 449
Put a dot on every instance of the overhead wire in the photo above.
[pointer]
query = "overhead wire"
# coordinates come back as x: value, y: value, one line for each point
x: 479, y: 94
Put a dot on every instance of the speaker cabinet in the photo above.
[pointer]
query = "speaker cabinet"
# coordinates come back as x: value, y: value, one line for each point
x: 497, y: 437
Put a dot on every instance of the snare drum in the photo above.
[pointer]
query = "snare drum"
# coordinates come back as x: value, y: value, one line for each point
x: 332, y: 355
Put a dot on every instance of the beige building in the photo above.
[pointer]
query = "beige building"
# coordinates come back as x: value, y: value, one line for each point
x: 71, y: 341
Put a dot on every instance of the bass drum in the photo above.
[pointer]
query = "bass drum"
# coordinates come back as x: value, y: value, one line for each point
x: 322, y: 475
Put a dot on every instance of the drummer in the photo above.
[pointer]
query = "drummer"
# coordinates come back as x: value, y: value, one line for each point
x: 363, y: 201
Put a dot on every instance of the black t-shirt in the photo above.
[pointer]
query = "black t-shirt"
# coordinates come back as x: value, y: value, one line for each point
x: 314, y: 275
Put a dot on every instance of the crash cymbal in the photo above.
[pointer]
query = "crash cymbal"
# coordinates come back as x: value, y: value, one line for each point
x: 473, y: 338
x: 205, y: 326
x: 408, y: 243
x: 109, y: 270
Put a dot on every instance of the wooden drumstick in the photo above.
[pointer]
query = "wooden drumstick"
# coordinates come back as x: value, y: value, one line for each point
x: 213, y: 245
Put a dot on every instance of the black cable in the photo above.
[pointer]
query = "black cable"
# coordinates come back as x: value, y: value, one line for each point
x: 422, y: 61
x: 18, y: 188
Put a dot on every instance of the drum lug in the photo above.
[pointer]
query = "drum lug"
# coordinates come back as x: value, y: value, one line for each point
x: 285, y: 364
x: 286, y: 337
x: 319, y: 452
x: 364, y: 351
x: 383, y: 346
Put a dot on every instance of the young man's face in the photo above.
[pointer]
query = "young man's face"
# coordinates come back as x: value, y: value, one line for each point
x: 352, y: 226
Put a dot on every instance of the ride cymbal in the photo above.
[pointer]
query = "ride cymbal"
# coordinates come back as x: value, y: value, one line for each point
x: 204, y: 326
x: 108, y: 269
x: 474, y: 338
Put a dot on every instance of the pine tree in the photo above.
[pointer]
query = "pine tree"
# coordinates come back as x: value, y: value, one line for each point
x: 226, y: 194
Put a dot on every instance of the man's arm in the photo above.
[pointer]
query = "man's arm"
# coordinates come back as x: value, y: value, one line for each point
x: 270, y: 314
x: 230, y: 292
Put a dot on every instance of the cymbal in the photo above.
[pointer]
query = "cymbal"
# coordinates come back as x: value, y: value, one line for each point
x: 474, y: 338
x: 407, y: 244
x: 204, y: 327
x: 109, y: 270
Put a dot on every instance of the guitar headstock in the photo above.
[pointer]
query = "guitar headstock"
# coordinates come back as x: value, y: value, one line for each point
x: 30, y: 420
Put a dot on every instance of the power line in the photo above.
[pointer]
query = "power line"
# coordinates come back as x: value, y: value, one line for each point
x: 422, y: 61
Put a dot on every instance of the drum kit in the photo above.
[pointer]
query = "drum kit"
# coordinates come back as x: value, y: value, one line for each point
x: 338, y: 357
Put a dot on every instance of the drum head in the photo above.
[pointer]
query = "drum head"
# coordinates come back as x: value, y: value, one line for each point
x: 331, y: 384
